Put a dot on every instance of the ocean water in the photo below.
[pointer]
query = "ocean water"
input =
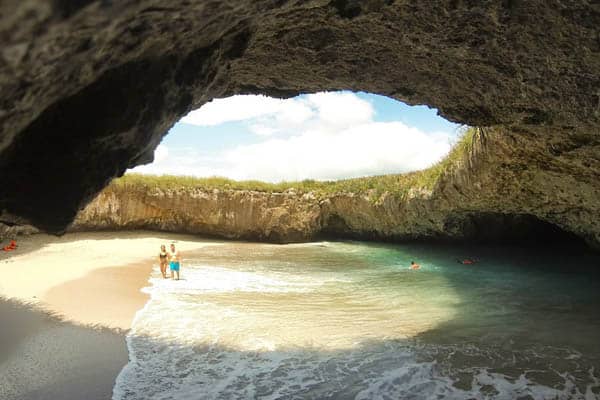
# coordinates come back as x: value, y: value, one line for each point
x: 350, y: 320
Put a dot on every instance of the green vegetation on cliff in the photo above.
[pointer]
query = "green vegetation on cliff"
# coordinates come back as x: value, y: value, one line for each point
x: 374, y: 186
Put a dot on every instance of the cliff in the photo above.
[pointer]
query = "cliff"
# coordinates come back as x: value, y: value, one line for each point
x: 490, y: 187
x: 276, y: 217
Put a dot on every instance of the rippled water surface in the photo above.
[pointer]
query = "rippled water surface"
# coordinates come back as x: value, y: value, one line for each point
x: 350, y: 320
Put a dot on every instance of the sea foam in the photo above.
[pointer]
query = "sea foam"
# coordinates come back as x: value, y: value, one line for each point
x: 262, y: 333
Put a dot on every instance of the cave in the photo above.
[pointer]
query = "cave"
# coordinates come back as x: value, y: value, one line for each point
x: 90, y: 87
x: 514, y: 229
x: 487, y: 228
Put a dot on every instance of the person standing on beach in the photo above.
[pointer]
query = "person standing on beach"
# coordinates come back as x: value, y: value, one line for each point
x: 174, y: 262
x: 163, y: 260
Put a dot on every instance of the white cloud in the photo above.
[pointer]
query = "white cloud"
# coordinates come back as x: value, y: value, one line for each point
x: 161, y: 153
x: 267, y: 116
x: 329, y: 112
x: 368, y: 149
x: 240, y: 108
x: 341, y: 109
x: 185, y: 161
x: 318, y: 136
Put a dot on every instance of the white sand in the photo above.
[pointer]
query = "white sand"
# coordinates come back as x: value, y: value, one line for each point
x: 93, y: 280
x: 67, y: 274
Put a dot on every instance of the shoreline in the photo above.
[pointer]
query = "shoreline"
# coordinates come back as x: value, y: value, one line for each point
x: 66, y: 305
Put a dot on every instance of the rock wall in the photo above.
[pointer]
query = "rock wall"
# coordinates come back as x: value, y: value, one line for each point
x: 8, y: 232
x: 89, y: 87
x: 505, y: 177
x: 276, y: 217
x: 506, y: 185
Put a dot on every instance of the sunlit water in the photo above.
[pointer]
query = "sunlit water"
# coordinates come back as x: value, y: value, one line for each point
x: 350, y: 320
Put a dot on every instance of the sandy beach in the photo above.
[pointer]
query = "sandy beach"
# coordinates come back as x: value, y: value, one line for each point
x: 66, y: 304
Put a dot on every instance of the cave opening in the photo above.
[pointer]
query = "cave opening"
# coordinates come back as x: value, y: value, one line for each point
x: 500, y: 228
x: 256, y: 142
x: 323, y: 136
x: 89, y: 88
x: 482, y: 228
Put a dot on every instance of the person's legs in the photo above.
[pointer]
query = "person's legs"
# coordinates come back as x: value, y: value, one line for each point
x: 176, y: 269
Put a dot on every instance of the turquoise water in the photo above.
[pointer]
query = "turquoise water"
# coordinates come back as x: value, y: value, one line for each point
x: 350, y: 320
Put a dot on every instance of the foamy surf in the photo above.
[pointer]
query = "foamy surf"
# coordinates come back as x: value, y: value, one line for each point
x: 314, y: 329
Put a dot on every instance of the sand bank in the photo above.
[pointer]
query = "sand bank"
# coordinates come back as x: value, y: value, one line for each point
x: 65, y: 306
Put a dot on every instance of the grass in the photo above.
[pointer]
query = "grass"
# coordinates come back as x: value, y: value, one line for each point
x: 373, y: 186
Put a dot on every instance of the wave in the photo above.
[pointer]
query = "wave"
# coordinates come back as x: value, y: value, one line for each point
x: 211, y: 336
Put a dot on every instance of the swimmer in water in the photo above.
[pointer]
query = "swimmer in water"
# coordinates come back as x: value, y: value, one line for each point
x: 414, y: 265
x: 466, y: 261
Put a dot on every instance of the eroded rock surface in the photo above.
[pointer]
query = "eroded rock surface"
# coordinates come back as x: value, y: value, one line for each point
x: 505, y: 186
x: 88, y: 88
x: 275, y: 217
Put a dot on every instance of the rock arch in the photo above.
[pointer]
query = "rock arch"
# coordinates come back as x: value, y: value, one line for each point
x: 88, y: 87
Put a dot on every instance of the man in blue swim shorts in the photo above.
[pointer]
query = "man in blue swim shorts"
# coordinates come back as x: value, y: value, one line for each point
x: 174, y: 260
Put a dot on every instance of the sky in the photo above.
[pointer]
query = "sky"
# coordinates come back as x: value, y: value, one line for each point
x: 322, y: 136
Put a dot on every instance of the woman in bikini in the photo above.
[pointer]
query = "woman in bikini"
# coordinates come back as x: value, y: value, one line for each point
x: 163, y: 260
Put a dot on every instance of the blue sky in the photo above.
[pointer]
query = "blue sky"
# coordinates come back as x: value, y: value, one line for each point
x: 330, y: 135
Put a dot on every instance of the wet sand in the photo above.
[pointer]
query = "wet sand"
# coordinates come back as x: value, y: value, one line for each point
x: 109, y: 297
x: 65, y: 307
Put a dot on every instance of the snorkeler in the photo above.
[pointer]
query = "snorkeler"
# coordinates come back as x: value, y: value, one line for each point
x: 414, y: 265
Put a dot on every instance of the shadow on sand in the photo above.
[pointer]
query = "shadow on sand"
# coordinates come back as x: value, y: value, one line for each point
x: 45, y: 357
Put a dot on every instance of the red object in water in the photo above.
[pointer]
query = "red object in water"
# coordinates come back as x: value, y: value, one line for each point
x: 468, y: 262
